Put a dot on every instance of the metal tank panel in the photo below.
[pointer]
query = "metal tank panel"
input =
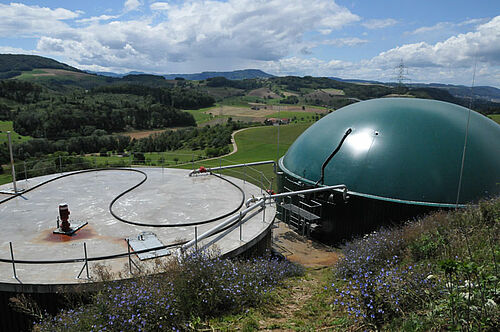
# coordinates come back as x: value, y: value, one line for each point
x: 402, y: 150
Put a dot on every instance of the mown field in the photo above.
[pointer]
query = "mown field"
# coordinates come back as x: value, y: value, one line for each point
x: 254, y: 144
x: 6, y: 126
x: 495, y: 117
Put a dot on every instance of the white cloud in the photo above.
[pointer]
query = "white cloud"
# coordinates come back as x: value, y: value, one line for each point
x: 341, y: 42
x: 14, y: 50
x: 131, y: 5
x: 97, y: 18
x: 472, y: 21
x: 435, y: 27
x: 302, y: 67
x: 19, y: 20
x: 448, y: 61
x: 379, y: 23
x: 195, y: 31
x: 456, y: 51
x: 160, y: 6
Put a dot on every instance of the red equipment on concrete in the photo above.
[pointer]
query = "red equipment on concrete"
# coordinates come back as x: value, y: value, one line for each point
x: 64, y: 215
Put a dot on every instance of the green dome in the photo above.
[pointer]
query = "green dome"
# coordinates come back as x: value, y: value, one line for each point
x: 402, y: 150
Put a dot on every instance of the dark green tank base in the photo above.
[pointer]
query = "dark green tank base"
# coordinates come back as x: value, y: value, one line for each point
x: 340, y: 220
x: 344, y: 221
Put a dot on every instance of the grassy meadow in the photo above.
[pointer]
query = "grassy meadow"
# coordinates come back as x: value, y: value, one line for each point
x: 495, y: 117
x: 6, y: 126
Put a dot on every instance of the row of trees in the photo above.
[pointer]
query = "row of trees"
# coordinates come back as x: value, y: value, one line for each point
x: 216, y: 137
x: 178, y: 97
x: 20, y: 91
x: 214, y: 140
x: 60, y: 119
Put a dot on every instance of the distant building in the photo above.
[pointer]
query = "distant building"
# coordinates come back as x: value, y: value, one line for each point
x: 276, y: 121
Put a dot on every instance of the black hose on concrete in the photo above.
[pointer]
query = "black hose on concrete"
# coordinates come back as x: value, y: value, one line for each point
x: 196, y: 223
x: 125, y: 254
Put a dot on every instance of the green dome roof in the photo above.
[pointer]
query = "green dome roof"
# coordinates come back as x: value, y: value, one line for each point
x: 403, y: 150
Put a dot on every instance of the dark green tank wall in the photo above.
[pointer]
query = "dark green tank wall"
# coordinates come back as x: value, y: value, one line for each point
x: 402, y: 150
x: 342, y: 220
x: 403, y: 159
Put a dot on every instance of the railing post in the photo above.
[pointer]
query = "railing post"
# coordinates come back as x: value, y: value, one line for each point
x: 13, y: 262
x: 196, y: 238
x: 261, y: 182
x: 25, y: 172
x: 241, y: 230
x: 264, y: 212
x: 244, y: 173
x: 129, y: 258
x: 86, y: 259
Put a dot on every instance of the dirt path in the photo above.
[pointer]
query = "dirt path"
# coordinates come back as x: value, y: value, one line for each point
x: 299, y: 249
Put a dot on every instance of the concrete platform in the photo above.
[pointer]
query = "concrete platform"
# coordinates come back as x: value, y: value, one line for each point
x: 168, y: 197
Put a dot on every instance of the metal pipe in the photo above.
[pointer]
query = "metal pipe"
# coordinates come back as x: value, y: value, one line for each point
x: 12, y: 163
x: 321, y: 179
x: 260, y: 201
x: 196, y: 171
x: 306, y: 191
x: 223, y: 224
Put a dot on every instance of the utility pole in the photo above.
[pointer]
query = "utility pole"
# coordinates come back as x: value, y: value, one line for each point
x: 402, y: 75
x: 12, y: 163
x: 279, y: 122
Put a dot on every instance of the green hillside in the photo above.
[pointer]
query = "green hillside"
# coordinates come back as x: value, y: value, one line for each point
x: 12, y: 65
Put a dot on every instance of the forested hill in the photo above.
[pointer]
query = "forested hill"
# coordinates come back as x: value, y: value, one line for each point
x: 13, y: 64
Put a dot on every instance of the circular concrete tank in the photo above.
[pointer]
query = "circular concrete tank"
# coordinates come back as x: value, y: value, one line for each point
x: 151, y: 207
x: 403, y: 154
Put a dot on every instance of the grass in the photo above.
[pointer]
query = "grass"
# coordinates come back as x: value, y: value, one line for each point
x: 190, y: 289
x: 200, y: 116
x: 29, y: 74
x: 254, y: 144
x: 7, y: 126
x: 437, y: 273
x: 495, y: 117
x: 298, y: 116
x: 258, y: 144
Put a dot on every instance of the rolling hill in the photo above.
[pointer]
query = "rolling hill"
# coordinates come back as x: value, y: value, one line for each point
x: 12, y: 65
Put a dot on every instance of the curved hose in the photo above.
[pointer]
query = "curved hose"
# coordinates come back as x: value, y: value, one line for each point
x: 120, y: 255
x: 196, y: 223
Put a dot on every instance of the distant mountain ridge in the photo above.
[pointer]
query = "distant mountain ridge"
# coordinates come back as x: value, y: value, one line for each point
x: 12, y: 65
x: 230, y: 75
x: 482, y: 92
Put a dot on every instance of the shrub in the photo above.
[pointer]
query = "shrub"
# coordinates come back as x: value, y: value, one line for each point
x: 198, y: 286
x: 441, y: 271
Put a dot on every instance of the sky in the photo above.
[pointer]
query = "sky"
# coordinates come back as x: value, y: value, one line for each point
x: 440, y: 41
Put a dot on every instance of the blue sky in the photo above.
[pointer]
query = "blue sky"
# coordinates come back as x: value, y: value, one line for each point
x: 439, y: 41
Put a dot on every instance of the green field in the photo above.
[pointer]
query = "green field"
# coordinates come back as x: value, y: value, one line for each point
x: 495, y: 117
x: 200, y: 116
x: 257, y: 144
x: 29, y: 74
x: 7, y: 126
x: 294, y: 116
x: 254, y: 144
